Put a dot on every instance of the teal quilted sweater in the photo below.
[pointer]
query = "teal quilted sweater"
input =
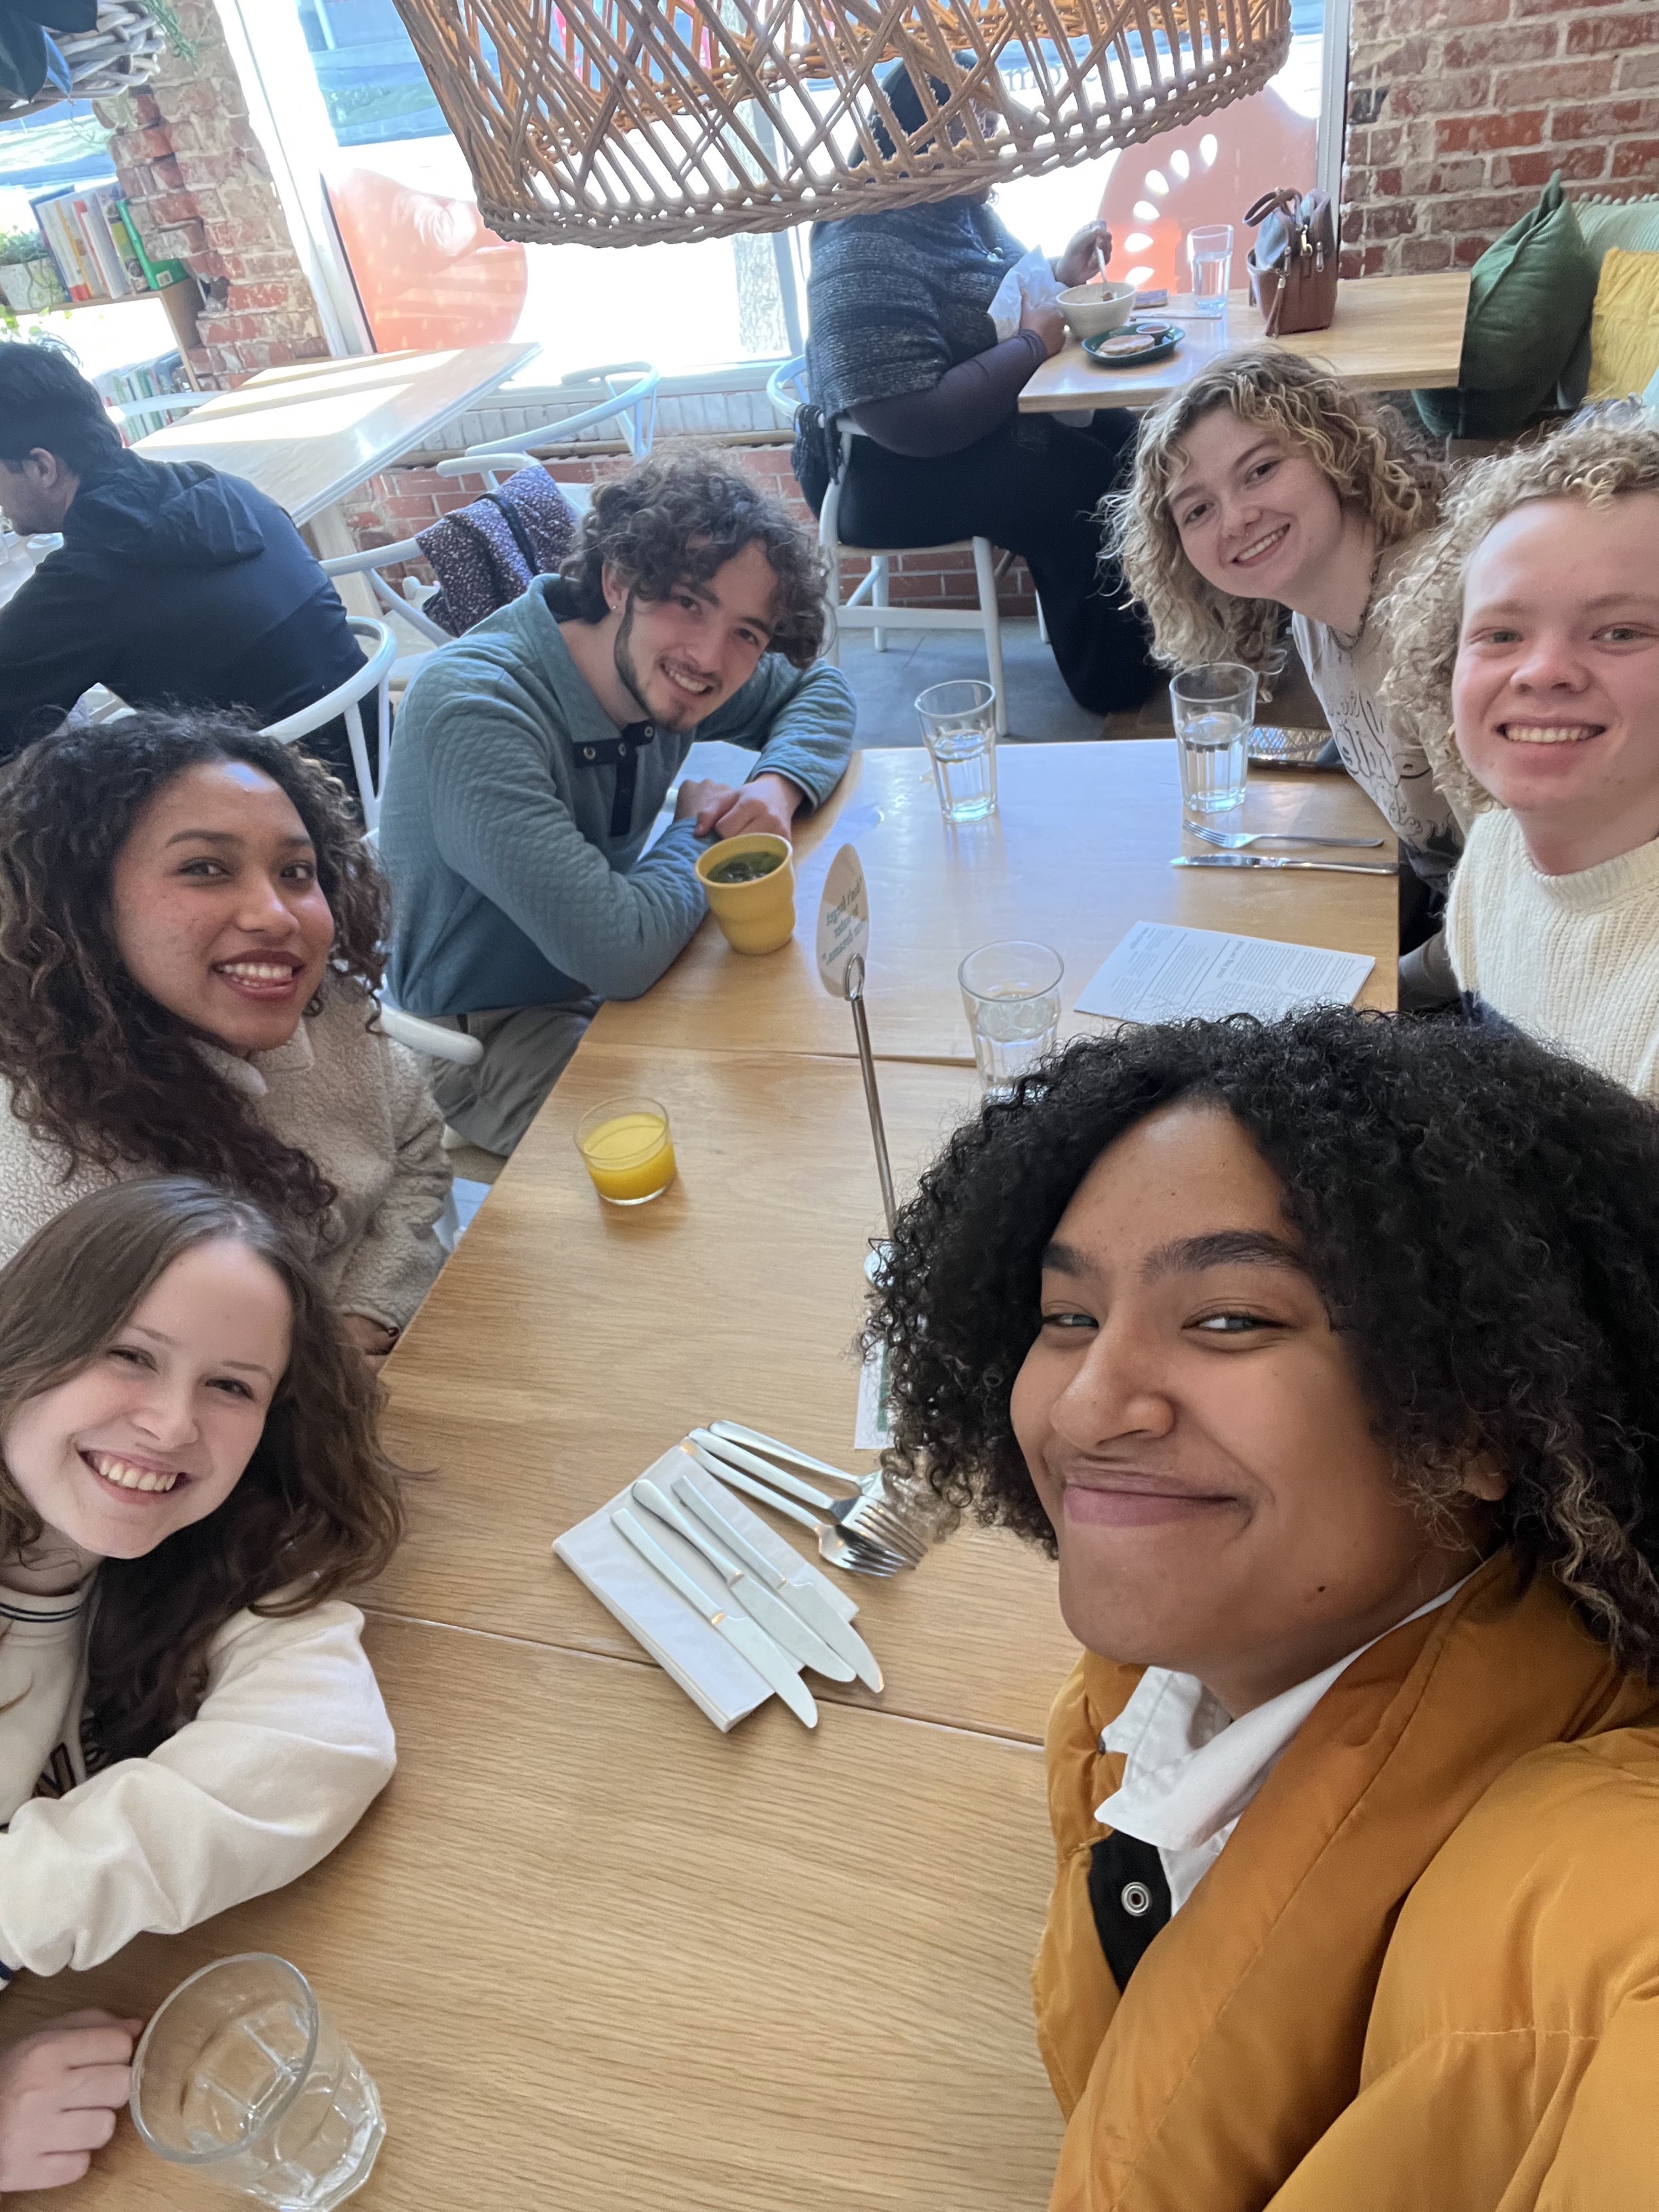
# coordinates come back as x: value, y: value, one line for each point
x: 509, y: 888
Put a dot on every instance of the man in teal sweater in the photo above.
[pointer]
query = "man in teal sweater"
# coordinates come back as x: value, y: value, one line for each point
x: 533, y: 754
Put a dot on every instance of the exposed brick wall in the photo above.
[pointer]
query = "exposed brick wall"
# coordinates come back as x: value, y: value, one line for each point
x: 403, y: 501
x: 187, y: 159
x: 1460, y: 112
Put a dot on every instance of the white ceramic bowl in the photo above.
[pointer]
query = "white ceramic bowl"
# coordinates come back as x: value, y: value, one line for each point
x: 1091, y: 310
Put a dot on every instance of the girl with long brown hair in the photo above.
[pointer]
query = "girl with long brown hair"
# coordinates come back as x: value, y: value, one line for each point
x: 192, y: 933
x: 189, y: 1477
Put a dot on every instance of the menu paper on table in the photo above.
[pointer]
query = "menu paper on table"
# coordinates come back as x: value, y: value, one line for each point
x: 1164, y: 973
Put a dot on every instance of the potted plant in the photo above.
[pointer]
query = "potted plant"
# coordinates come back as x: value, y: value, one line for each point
x: 28, y: 279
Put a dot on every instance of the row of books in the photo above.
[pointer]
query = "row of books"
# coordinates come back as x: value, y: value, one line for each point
x: 93, y: 238
x: 143, y: 380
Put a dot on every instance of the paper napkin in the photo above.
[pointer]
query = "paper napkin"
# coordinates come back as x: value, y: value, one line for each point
x: 710, y: 1672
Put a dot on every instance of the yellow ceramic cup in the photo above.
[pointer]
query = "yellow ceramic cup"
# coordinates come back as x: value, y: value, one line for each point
x: 758, y: 916
x: 627, y: 1149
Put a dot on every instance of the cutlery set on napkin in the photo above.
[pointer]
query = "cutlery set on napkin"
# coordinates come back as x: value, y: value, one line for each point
x: 722, y: 1603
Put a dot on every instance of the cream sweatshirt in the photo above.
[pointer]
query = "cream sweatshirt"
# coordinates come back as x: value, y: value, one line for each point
x: 1571, y: 960
x: 347, y: 1095
x: 288, y: 1748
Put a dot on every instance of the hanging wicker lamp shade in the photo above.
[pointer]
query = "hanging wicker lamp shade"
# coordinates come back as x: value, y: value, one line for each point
x: 627, y: 122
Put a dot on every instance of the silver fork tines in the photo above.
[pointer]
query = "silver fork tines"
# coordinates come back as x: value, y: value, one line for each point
x: 869, y: 1517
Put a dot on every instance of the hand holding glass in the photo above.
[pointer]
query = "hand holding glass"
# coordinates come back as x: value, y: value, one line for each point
x: 1214, y: 708
x: 240, y: 2074
x: 959, y: 723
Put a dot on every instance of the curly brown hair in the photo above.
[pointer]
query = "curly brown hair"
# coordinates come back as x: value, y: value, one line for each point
x: 685, y: 514
x: 96, y: 1067
x: 317, y: 1510
x: 1598, y: 457
x: 1364, y: 449
x: 1481, y: 1216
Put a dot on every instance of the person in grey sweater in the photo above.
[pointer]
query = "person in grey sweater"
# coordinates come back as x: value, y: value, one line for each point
x: 533, y: 754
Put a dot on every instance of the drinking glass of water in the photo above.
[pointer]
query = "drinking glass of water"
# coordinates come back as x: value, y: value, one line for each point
x: 240, y: 2074
x: 959, y: 722
x: 1213, y: 707
x: 1210, y: 258
x: 1011, y: 993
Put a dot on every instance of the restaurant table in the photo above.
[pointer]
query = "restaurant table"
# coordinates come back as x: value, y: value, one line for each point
x: 599, y: 1957
x: 569, y: 1344
x: 1077, y: 851
x: 308, y: 434
x: 1390, y: 334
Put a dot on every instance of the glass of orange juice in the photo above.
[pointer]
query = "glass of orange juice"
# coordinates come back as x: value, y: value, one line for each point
x: 627, y: 1149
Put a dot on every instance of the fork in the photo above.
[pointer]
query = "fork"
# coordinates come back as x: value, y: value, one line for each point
x: 855, y: 1555
x: 1233, y: 840
x: 869, y: 1516
x: 868, y: 1485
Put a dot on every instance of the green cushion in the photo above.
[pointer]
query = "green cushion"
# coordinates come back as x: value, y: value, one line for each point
x: 1631, y: 224
x: 1529, y: 308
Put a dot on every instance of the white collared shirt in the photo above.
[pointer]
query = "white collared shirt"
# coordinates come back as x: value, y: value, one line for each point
x: 1190, y: 1769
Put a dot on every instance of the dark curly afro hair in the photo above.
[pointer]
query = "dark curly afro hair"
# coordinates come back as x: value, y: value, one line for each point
x: 1480, y: 1216
x: 684, y: 515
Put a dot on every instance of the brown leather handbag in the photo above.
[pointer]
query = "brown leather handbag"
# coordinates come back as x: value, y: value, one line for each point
x: 1292, y: 264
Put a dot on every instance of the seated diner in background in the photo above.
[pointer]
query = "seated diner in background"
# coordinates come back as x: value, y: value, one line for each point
x: 189, y: 1475
x: 533, y: 755
x: 1264, y: 485
x: 1324, y: 1353
x: 902, y: 344
x: 175, y: 586
x: 190, y: 940
x: 1526, y: 657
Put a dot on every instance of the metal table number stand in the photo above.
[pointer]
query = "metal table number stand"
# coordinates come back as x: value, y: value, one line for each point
x: 843, y: 935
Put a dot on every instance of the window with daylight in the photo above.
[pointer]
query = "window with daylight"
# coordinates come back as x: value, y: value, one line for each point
x: 348, y: 97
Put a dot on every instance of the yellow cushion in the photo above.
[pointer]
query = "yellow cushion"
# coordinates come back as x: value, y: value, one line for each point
x: 1625, y: 325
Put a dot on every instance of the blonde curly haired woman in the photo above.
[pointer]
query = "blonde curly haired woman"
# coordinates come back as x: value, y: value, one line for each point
x: 1525, y: 646
x: 1265, y: 485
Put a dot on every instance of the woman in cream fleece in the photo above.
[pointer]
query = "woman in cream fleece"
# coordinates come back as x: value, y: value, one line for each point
x: 189, y: 1474
x: 191, y: 934
x: 1526, y: 657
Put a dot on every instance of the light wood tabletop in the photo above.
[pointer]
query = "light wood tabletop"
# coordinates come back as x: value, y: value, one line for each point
x: 1391, y: 334
x: 1078, y: 852
x: 569, y: 1344
x: 600, y: 1958
x: 307, y: 433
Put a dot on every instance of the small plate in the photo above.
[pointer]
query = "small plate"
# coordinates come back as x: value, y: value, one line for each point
x: 1159, y: 340
x: 1269, y: 747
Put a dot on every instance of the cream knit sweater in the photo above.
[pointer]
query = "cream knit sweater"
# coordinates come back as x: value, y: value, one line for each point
x: 1571, y: 960
x: 347, y: 1095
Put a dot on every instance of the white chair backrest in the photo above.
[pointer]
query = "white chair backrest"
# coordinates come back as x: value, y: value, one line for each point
x: 346, y: 699
x: 390, y: 556
x: 156, y: 412
x: 632, y: 386
x: 786, y: 389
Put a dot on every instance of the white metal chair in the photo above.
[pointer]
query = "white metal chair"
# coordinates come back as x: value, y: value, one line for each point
x: 346, y: 701
x: 868, y: 606
x: 631, y: 400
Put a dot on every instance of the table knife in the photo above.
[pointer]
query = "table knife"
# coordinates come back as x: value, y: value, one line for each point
x: 810, y: 1602
x: 1264, y: 860
x: 758, y: 1440
x: 755, y: 1597
x: 744, y: 1636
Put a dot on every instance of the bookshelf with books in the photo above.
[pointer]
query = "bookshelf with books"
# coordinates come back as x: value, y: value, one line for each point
x: 94, y: 243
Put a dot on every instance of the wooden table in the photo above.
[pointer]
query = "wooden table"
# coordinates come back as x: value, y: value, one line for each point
x: 1391, y: 334
x: 1078, y: 852
x: 568, y: 1344
x: 308, y: 434
x: 601, y: 1959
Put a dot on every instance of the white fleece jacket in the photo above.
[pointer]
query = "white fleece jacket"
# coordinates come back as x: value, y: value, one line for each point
x: 347, y: 1095
x: 288, y: 1748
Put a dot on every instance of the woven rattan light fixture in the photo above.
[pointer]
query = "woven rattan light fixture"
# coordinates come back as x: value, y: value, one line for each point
x: 625, y: 122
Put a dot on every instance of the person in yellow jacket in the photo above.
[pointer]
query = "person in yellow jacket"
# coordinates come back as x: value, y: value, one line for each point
x: 1324, y: 1354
